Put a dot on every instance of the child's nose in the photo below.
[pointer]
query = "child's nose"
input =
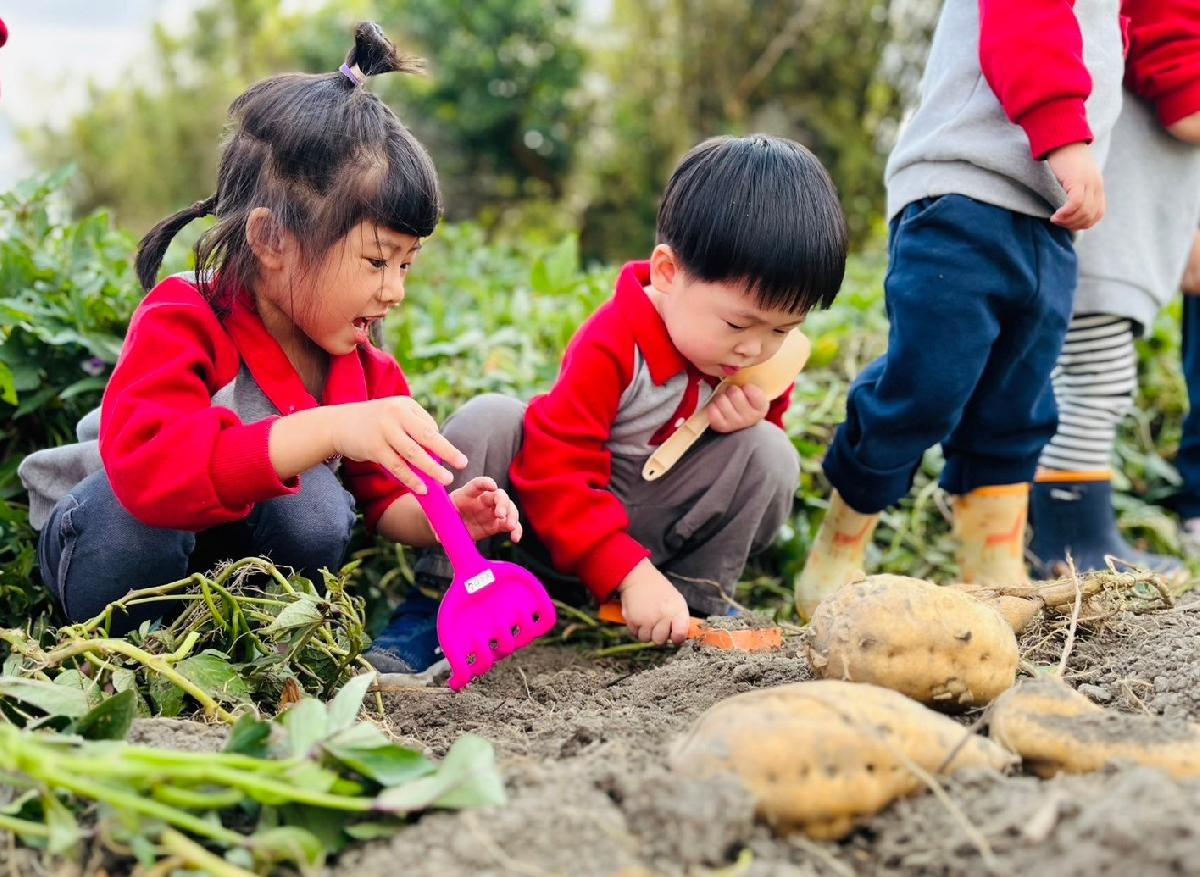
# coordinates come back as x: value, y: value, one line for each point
x: 393, y: 292
x: 748, y: 348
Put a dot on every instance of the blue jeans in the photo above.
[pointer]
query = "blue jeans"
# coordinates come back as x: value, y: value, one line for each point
x: 1187, y: 501
x: 979, y: 299
x: 92, y: 551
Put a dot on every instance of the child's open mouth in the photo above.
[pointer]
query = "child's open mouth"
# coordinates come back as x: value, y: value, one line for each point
x: 362, y: 329
x: 729, y: 370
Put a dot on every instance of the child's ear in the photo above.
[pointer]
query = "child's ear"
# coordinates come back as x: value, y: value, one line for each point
x: 269, y: 242
x: 664, y: 268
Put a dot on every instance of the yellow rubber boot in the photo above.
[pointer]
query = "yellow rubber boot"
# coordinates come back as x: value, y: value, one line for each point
x: 837, y: 554
x: 989, y: 523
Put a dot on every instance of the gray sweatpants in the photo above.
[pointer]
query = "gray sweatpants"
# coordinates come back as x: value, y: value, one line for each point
x: 723, y: 501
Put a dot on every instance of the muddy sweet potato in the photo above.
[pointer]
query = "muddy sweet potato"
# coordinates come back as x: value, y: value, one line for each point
x: 937, y: 645
x: 1056, y: 729
x: 820, y: 755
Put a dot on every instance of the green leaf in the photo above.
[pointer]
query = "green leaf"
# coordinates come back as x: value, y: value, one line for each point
x: 167, y: 697
x: 289, y: 843
x: 8, y: 389
x: 467, y: 777
x: 364, y: 735
x: 389, y: 765
x: 343, y: 709
x: 249, y: 737
x: 64, y: 830
x: 301, y: 613
x: 212, y: 671
x: 365, y: 831
x: 307, y: 724
x: 54, y: 700
x: 111, y: 720
x: 75, y: 679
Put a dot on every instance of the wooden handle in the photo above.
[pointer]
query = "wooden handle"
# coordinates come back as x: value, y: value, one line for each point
x: 678, y: 442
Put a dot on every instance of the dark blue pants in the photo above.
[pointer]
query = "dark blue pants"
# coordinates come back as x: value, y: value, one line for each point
x: 92, y: 551
x: 979, y: 299
x: 1187, y: 461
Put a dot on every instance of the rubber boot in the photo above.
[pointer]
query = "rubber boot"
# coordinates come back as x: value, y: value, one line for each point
x: 837, y: 554
x: 1073, y: 512
x: 989, y: 524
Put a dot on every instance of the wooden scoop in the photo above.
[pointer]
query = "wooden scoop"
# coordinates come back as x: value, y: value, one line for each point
x: 772, y: 377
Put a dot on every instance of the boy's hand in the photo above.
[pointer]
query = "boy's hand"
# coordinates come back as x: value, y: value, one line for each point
x: 1187, y: 128
x: 654, y: 610
x: 1191, y: 275
x: 486, y: 509
x: 737, y: 408
x: 1075, y: 168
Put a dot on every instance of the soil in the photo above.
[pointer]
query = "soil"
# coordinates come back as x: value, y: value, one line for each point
x: 582, y: 744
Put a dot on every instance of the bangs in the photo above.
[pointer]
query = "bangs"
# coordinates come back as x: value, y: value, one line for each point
x: 759, y: 211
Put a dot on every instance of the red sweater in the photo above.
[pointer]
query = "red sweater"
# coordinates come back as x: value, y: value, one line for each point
x: 178, y: 461
x: 1045, y: 98
x: 1164, y: 55
x: 563, y: 470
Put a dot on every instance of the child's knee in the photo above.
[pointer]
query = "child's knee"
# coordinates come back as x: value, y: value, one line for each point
x: 493, y: 414
x: 772, y: 464
x: 311, y: 529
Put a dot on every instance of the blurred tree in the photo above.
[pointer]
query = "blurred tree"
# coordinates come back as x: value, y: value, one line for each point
x: 497, y: 112
x: 682, y: 70
x: 148, y: 146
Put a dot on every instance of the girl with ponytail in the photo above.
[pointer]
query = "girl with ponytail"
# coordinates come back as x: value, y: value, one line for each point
x: 250, y: 412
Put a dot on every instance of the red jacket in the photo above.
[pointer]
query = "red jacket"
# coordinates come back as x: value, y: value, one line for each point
x: 1046, y: 98
x: 1164, y: 55
x: 178, y: 461
x: 563, y: 470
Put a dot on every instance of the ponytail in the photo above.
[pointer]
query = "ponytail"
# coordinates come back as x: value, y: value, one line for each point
x: 154, y: 245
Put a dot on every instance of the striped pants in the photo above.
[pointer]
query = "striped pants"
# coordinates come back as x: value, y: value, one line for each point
x: 1094, y: 384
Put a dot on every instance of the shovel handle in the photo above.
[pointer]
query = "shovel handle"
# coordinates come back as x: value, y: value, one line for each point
x: 449, y: 528
x: 679, y: 441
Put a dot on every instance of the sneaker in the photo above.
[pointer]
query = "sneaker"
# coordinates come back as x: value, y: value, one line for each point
x: 409, y: 643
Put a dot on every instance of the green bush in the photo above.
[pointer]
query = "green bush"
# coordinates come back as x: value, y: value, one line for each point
x: 67, y: 290
x: 489, y: 315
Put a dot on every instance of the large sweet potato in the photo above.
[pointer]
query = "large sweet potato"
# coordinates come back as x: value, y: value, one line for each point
x: 937, y: 645
x: 1056, y: 729
x: 820, y: 755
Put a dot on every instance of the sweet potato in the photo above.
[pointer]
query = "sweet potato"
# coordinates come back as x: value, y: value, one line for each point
x: 937, y: 645
x: 1056, y: 729
x: 820, y: 755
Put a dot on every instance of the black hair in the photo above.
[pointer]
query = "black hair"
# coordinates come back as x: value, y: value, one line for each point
x: 322, y: 154
x: 757, y: 210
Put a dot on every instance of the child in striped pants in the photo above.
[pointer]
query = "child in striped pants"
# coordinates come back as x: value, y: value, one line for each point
x: 1130, y: 266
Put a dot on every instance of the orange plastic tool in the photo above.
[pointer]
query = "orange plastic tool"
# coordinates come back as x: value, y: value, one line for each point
x: 750, y: 640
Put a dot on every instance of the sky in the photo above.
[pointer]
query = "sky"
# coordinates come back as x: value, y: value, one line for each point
x: 55, y: 47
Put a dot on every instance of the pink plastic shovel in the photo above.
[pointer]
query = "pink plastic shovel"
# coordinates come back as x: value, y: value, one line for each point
x: 492, y: 608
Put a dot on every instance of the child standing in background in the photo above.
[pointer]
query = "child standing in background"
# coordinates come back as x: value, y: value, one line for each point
x: 1130, y: 266
x: 240, y: 403
x: 997, y: 167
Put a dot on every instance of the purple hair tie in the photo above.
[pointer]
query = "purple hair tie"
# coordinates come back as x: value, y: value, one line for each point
x: 353, y: 74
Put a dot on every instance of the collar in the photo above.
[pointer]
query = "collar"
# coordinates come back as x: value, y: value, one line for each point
x: 649, y: 331
x: 274, y: 372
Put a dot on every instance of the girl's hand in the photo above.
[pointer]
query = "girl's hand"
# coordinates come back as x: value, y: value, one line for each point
x: 737, y: 408
x: 486, y: 509
x: 395, y: 433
